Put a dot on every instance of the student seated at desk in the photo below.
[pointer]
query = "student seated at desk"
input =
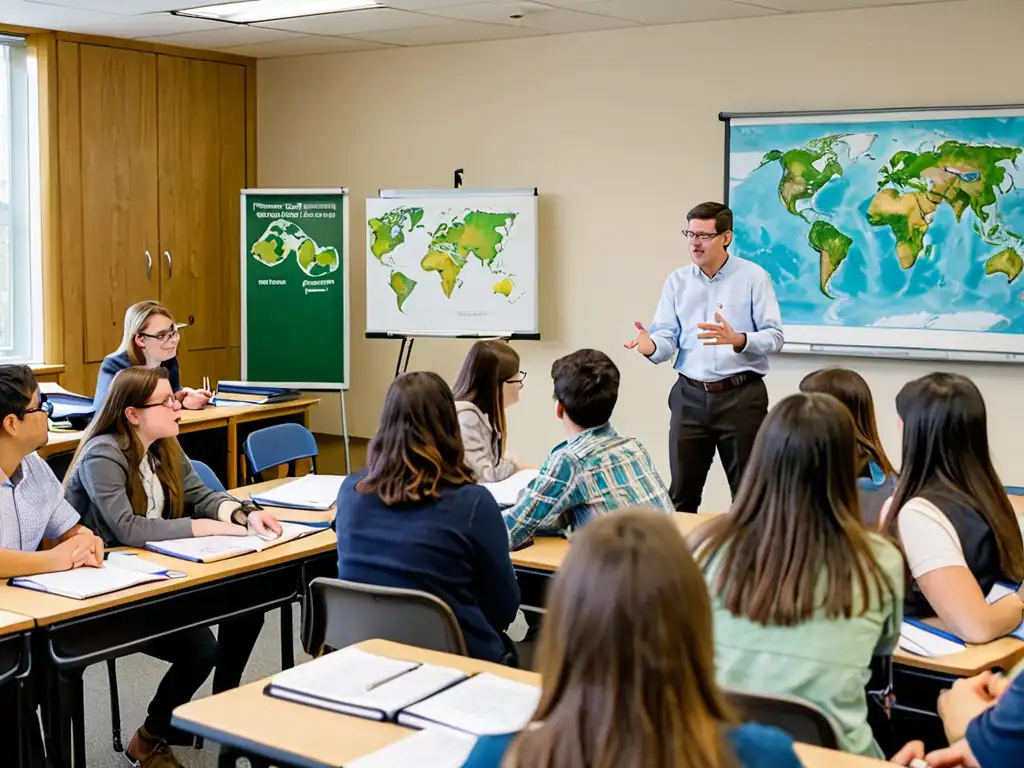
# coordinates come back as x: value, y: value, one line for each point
x: 151, y: 340
x: 876, y: 478
x: 130, y: 479
x: 416, y: 519
x: 627, y: 661
x: 490, y: 381
x: 596, y: 470
x: 803, y: 594
x: 950, y: 512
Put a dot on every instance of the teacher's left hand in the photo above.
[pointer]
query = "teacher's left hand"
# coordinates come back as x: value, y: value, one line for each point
x: 721, y: 333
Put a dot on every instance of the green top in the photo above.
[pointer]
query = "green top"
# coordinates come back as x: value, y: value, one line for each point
x: 823, y: 661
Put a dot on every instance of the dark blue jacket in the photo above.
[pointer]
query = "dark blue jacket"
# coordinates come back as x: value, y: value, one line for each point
x: 118, y: 361
x: 996, y: 736
x: 455, y: 548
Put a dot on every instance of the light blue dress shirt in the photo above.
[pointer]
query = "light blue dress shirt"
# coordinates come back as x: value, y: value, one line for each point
x: 742, y: 293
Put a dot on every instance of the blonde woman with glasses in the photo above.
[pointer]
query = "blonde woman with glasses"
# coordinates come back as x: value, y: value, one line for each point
x: 150, y: 340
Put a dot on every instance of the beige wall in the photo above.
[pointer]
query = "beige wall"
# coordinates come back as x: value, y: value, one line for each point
x: 620, y: 132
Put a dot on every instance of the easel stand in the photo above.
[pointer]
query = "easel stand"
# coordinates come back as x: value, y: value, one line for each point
x: 344, y: 432
x: 404, y: 353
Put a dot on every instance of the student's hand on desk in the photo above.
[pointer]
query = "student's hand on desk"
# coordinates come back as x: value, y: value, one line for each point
x: 642, y: 342
x: 194, y: 399
x: 967, y: 699
x: 957, y: 756
x: 75, y: 552
x: 264, y: 523
x: 97, y: 547
x: 202, y: 526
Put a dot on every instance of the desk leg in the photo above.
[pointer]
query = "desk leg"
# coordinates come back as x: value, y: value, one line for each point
x: 72, y: 717
x: 287, y: 635
x: 232, y: 454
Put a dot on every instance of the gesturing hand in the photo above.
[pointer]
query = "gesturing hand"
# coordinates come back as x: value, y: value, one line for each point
x: 721, y: 333
x: 642, y: 342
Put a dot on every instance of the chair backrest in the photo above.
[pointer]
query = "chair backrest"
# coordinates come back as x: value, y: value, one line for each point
x: 341, y: 613
x: 1014, y: 490
x: 277, y: 445
x: 207, y: 475
x: 802, y: 720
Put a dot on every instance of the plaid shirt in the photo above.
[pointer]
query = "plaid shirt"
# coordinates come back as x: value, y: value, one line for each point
x: 590, y: 474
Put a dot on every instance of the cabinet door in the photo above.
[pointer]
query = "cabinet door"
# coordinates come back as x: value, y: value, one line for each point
x: 118, y: 162
x: 201, y: 108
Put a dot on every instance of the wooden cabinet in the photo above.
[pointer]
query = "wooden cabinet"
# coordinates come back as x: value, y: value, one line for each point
x: 152, y: 158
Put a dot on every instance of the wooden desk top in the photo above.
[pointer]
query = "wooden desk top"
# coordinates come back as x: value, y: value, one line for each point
x: 547, y: 552
x: 1004, y: 653
x: 330, y: 739
x: 13, y: 622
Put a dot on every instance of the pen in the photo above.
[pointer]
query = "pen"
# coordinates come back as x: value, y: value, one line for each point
x: 388, y: 679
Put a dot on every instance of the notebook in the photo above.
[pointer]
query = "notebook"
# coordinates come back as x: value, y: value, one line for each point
x: 316, y: 492
x: 354, y: 682
x: 924, y: 640
x: 429, y: 748
x: 485, y: 704
x: 209, y: 549
x: 241, y: 393
x: 506, y: 492
x: 85, y: 582
x: 1000, y: 590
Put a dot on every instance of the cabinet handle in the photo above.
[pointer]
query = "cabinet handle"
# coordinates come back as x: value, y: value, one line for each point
x: 149, y: 267
x: 170, y: 270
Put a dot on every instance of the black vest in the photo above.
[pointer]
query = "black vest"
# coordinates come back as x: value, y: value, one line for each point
x: 977, y: 539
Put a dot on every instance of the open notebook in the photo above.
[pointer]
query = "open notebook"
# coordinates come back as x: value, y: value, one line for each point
x: 925, y: 640
x: 316, y: 492
x: 485, y: 704
x: 363, y: 684
x: 85, y: 582
x: 429, y: 748
x: 209, y: 549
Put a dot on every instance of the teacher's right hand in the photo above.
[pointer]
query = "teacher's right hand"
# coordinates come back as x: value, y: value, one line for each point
x: 642, y: 343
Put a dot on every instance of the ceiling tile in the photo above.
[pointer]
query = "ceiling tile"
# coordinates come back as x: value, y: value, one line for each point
x: 307, y: 45
x: 151, y: 25
x: 832, y: 5
x: 124, y: 7
x: 49, y: 16
x: 348, y: 22
x: 232, y: 35
x: 533, y: 16
x: 450, y: 32
x: 426, y: 5
x: 666, y: 11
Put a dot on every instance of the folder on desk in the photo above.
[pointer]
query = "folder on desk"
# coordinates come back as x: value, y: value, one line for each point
x: 68, y: 407
x: 210, y: 549
x: 85, y: 582
x: 241, y: 393
x: 354, y: 682
x: 922, y: 639
x: 315, y: 492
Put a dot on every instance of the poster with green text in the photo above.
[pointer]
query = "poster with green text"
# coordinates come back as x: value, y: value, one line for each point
x: 295, y: 302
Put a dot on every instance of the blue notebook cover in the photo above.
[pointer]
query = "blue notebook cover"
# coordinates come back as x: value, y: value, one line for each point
x: 935, y: 631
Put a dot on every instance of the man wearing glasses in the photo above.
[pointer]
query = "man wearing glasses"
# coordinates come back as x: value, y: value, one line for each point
x: 720, y: 319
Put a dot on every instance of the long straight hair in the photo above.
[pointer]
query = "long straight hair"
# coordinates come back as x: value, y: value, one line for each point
x: 850, y: 388
x: 796, y: 519
x: 131, y: 388
x: 135, y: 319
x: 417, y: 446
x: 945, y: 449
x: 488, y: 365
x: 627, y: 656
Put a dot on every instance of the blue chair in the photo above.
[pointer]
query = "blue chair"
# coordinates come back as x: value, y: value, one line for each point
x: 280, y: 444
x: 1014, y: 490
x: 208, y: 476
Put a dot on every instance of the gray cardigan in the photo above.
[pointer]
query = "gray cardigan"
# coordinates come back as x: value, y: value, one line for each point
x: 98, y: 490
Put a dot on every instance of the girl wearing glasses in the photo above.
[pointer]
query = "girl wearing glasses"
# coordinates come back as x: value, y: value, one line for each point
x: 490, y: 381
x: 150, y: 340
x: 131, y: 481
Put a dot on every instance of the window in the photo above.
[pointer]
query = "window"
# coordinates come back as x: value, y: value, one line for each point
x: 20, y: 272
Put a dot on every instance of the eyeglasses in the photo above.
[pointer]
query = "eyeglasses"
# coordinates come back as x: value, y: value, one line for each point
x: 45, y: 406
x: 704, y: 237
x: 518, y: 379
x: 171, y: 402
x: 164, y: 336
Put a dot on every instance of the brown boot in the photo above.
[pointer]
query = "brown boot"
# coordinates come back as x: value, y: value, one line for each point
x: 149, y: 751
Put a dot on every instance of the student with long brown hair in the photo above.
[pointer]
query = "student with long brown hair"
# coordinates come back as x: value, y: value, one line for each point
x: 131, y: 481
x: 876, y: 477
x: 490, y: 381
x: 803, y: 594
x: 415, y: 517
x: 951, y: 513
x: 627, y: 661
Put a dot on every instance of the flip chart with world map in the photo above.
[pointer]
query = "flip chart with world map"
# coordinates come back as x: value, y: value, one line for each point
x: 452, y: 264
x: 887, y: 231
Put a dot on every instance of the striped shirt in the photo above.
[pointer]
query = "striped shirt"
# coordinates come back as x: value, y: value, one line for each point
x: 590, y: 474
x: 32, y: 506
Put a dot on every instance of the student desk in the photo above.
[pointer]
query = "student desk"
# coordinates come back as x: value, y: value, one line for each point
x: 286, y: 733
x: 219, y: 449
x: 15, y: 667
x: 73, y: 634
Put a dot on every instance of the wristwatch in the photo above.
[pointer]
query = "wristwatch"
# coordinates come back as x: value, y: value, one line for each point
x: 240, y: 516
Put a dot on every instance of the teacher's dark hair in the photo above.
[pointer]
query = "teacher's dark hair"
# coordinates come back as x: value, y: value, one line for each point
x: 800, y: 488
x: 720, y: 213
x: 418, y: 445
x: 945, y: 448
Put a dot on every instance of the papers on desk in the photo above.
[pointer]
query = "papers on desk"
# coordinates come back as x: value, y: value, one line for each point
x: 485, y: 704
x: 429, y: 748
x: 506, y: 492
x: 363, y: 684
x: 209, y: 549
x: 241, y: 393
x: 1000, y: 590
x: 85, y: 582
x: 316, y: 492
x: 925, y: 640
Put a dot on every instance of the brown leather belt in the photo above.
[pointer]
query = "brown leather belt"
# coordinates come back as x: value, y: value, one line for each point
x: 723, y: 384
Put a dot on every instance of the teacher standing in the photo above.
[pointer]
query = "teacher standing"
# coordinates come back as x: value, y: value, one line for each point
x: 720, y: 317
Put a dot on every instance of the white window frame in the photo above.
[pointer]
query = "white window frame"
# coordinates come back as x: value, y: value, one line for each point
x: 25, y: 280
